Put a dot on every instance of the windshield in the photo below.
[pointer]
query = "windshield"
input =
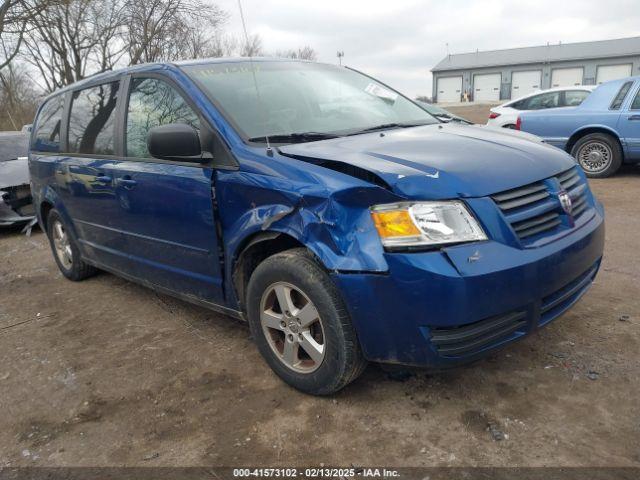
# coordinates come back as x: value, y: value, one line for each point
x: 301, y: 97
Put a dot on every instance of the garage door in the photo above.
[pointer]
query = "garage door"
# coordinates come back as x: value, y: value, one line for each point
x: 612, y: 72
x: 449, y: 89
x: 486, y: 88
x: 524, y: 83
x: 566, y: 77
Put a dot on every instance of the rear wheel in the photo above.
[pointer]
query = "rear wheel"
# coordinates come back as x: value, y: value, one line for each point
x: 65, y: 250
x: 301, y: 325
x: 598, y: 154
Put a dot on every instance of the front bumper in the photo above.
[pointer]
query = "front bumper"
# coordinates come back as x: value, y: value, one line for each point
x: 16, y: 206
x: 453, y: 306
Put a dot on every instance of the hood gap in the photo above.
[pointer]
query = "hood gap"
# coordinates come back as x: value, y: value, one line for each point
x: 345, y: 168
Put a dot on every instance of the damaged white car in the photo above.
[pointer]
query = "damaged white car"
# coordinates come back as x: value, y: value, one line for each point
x: 16, y: 207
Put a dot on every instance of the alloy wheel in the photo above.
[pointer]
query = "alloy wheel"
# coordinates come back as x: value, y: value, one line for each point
x: 595, y: 156
x: 293, y: 327
x: 61, y: 244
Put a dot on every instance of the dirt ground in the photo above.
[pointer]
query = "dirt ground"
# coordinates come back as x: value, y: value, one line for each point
x: 476, y: 113
x: 108, y: 373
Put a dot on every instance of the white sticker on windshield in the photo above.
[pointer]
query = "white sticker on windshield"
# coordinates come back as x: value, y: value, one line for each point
x: 381, y: 92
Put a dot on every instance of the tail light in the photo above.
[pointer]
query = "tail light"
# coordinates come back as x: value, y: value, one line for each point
x: 493, y: 115
x: 519, y: 123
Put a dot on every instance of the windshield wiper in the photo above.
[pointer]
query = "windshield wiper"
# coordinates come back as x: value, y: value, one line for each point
x: 295, y: 137
x: 384, y: 126
x: 460, y: 120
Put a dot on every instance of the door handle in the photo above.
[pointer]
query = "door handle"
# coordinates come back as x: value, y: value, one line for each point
x: 103, y: 179
x: 634, y: 117
x: 127, y: 182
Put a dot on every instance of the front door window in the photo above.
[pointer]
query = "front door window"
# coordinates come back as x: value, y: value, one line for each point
x: 152, y: 103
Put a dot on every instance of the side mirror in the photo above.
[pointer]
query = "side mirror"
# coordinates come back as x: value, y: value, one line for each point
x: 175, y: 141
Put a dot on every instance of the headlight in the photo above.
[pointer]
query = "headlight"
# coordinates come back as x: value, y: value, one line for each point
x: 425, y: 224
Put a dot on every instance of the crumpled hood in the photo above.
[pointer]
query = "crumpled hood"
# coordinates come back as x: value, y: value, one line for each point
x: 442, y: 161
x: 14, y: 172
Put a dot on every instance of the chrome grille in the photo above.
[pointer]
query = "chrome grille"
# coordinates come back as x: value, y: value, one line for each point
x: 532, y: 211
x: 520, y: 197
x: 570, y: 181
x: 540, y: 223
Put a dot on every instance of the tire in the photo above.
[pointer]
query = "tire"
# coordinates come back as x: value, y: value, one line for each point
x: 65, y: 249
x: 509, y: 126
x: 598, y: 154
x: 296, y: 277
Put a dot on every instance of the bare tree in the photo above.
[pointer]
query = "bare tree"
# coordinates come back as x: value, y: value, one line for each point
x: 302, y: 53
x: 223, y: 45
x: 18, y: 97
x: 110, y: 49
x: 67, y: 40
x: 197, y: 44
x: 201, y: 44
x: 71, y: 39
x: 14, y: 18
x: 170, y: 29
x: 252, y: 47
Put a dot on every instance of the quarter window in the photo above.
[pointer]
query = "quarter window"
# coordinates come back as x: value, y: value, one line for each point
x: 47, y: 135
x: 519, y: 105
x: 152, y: 103
x: 636, y: 102
x: 91, y: 122
x: 573, y: 98
x: 617, y: 102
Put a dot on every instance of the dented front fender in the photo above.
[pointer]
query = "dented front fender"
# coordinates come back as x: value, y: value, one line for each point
x: 334, y: 224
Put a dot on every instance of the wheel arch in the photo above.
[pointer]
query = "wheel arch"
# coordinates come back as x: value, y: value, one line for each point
x: 48, y: 200
x: 253, y: 250
x: 45, y: 207
x: 589, y: 130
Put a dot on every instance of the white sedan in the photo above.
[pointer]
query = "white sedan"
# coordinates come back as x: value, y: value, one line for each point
x: 506, y: 115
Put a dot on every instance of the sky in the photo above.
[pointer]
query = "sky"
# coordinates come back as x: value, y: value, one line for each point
x: 399, y: 41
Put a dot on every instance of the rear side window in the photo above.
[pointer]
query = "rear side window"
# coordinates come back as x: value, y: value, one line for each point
x: 617, y: 102
x: 152, y: 103
x: 46, y: 138
x: 573, y: 98
x: 92, y: 120
x: 544, y: 100
x: 636, y: 102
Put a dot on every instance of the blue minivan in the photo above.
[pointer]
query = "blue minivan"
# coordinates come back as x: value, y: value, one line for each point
x: 340, y: 219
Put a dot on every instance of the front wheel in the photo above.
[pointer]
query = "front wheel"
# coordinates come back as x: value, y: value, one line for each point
x: 301, y: 325
x: 598, y: 154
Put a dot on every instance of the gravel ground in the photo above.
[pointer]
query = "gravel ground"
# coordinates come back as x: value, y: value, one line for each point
x: 108, y: 373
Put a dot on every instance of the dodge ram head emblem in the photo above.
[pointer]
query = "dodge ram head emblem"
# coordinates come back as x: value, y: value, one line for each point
x: 565, y: 202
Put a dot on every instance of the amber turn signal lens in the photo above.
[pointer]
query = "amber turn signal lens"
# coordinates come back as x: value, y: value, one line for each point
x: 394, y: 223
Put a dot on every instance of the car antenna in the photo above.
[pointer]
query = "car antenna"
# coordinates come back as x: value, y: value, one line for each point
x: 255, y: 81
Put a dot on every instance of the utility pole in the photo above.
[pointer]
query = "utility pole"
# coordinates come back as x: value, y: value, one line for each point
x: 340, y: 55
